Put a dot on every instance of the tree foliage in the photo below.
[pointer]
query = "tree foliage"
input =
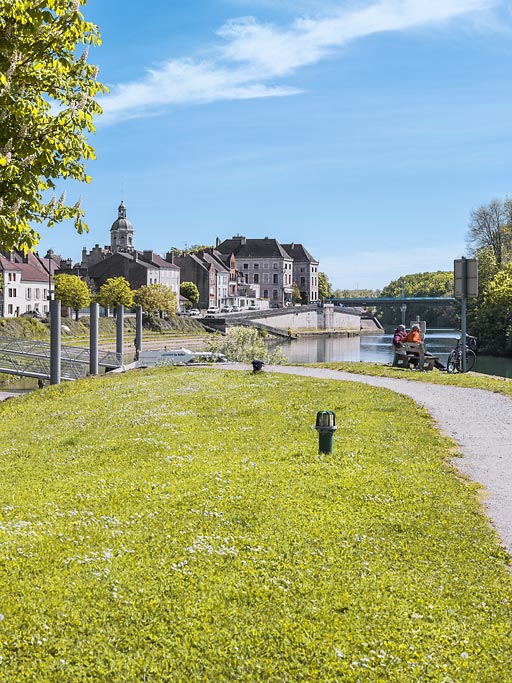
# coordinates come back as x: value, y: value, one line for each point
x: 324, y: 287
x: 244, y: 344
x: 296, y: 295
x: 115, y: 291
x: 156, y: 299
x: 47, y: 105
x: 428, y: 284
x: 356, y: 293
x: 72, y: 292
x: 190, y: 291
x: 490, y: 226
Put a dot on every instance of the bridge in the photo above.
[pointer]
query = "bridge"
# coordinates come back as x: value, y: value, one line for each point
x: 31, y: 358
x: 369, y: 301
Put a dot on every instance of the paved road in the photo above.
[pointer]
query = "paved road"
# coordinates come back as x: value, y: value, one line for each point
x: 480, y: 422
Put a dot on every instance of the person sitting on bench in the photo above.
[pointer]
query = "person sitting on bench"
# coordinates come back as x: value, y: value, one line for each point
x: 415, y: 337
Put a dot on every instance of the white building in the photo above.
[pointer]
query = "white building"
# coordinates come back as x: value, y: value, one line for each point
x: 25, y: 285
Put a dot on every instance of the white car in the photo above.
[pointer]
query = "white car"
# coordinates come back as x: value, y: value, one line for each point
x: 213, y: 310
x: 194, y: 312
x: 226, y: 309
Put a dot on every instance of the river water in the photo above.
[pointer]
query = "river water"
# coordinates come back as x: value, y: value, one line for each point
x: 376, y: 348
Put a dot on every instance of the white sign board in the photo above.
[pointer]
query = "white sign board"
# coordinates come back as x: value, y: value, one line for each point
x: 471, y: 277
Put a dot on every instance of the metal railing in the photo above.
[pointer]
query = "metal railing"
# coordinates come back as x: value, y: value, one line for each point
x: 31, y: 358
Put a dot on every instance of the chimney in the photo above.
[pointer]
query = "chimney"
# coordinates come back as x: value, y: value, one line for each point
x: 147, y: 255
x: 170, y: 256
x: 217, y: 242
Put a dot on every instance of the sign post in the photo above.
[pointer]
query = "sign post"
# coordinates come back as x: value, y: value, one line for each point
x: 465, y: 272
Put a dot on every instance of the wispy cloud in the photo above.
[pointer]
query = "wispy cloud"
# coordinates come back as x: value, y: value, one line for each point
x: 254, y: 55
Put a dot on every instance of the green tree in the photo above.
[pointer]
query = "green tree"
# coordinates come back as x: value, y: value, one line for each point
x: 244, y: 344
x: 324, y: 286
x: 190, y: 291
x: 428, y: 284
x: 72, y: 292
x: 296, y: 295
x: 156, y: 298
x: 490, y: 226
x: 47, y: 104
x: 115, y: 291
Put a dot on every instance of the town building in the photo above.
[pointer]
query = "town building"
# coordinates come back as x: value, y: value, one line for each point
x: 26, y: 284
x: 121, y: 259
x: 262, y: 263
x: 305, y: 271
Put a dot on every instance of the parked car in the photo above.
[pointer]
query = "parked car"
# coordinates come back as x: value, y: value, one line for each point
x: 31, y: 314
x: 213, y: 310
x: 194, y: 312
x: 226, y: 309
x: 235, y: 309
x: 253, y: 307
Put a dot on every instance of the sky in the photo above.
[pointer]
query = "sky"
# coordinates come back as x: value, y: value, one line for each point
x: 367, y: 130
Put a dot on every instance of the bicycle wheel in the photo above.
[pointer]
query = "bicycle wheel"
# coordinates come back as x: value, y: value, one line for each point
x: 470, y: 359
x: 451, y: 363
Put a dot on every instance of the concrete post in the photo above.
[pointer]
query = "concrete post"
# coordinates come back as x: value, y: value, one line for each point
x: 94, y: 311
x: 55, y: 350
x: 120, y: 332
x: 138, y: 331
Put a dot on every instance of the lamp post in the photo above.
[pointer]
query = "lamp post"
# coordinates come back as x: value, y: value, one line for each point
x: 325, y: 426
x: 49, y: 255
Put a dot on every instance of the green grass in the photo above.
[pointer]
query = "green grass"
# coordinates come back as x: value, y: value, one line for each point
x: 153, y: 531
x: 469, y: 380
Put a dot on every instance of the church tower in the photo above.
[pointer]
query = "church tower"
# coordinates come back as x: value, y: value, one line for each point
x: 121, y: 232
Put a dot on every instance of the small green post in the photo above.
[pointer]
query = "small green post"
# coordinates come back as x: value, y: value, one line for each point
x: 325, y: 426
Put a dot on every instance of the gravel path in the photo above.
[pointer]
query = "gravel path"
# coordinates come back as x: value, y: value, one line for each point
x: 480, y: 422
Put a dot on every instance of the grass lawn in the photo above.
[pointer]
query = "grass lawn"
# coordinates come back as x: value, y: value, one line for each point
x: 179, y: 525
x: 468, y: 380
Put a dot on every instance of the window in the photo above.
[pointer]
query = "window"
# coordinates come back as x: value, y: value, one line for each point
x: 9, y: 309
x: 275, y: 266
x: 302, y: 270
x: 246, y: 266
x: 265, y: 278
x: 38, y: 293
x: 276, y: 278
x: 265, y: 293
x: 266, y: 264
x: 274, y: 294
x: 302, y: 281
x: 256, y: 266
x: 256, y: 278
x: 29, y: 293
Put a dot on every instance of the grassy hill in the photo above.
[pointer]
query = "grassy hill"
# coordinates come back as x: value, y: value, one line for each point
x: 180, y: 525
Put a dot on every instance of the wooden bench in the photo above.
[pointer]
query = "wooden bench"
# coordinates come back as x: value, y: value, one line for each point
x: 412, y: 352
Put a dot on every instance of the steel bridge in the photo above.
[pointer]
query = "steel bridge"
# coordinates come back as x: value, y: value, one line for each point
x: 369, y: 301
x: 31, y: 358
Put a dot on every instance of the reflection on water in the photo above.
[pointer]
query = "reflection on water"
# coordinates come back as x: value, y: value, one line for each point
x: 376, y: 348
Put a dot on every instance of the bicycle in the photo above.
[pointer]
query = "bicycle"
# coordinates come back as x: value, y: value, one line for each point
x: 454, y: 363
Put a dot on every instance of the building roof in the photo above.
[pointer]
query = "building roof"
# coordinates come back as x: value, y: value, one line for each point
x: 243, y: 247
x: 122, y: 223
x: 298, y: 252
x: 160, y: 262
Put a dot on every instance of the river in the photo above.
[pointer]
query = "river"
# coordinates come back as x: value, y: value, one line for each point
x: 376, y: 348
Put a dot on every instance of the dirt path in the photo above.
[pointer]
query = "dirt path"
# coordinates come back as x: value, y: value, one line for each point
x: 480, y: 422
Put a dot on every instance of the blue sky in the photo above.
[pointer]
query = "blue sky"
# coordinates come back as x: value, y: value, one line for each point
x: 367, y: 130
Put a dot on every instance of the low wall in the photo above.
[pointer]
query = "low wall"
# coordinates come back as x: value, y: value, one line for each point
x: 312, y: 319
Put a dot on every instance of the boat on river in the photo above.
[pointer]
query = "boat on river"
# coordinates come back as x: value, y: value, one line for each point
x: 182, y: 356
